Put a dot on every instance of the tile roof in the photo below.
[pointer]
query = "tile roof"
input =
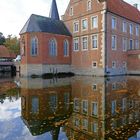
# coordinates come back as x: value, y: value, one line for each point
x: 124, y: 9
x: 37, y: 23
x: 5, y: 53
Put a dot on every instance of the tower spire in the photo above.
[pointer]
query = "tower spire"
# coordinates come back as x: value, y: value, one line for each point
x: 54, y: 11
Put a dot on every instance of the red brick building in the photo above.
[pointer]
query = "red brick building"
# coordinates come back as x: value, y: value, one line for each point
x: 45, y: 45
x: 104, y: 39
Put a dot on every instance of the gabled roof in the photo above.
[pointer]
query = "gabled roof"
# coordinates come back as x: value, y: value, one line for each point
x: 121, y: 8
x: 5, y: 53
x: 54, y: 11
x: 37, y: 23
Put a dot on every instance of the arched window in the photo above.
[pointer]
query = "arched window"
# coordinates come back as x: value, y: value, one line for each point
x: 66, y: 48
x: 53, y: 47
x: 89, y: 5
x: 34, y: 46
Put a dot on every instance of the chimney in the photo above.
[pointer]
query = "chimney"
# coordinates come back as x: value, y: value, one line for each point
x: 135, y: 5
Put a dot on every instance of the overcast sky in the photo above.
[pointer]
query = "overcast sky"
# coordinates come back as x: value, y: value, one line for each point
x: 14, y: 13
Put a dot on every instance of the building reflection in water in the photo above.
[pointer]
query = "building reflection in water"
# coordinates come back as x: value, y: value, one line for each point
x: 88, y: 108
x: 46, y: 105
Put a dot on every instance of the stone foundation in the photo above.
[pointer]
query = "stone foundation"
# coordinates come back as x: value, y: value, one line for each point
x: 88, y: 71
x: 39, y: 69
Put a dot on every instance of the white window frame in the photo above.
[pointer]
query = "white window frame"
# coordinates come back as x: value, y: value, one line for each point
x: 131, y: 48
x: 76, y: 108
x: 137, y: 30
x: 92, y: 109
x: 93, y: 126
x: 71, y: 11
x: 92, y: 41
x: 76, y: 122
x: 114, y: 66
x: 124, y: 64
x: 85, y: 124
x: 84, y: 49
x: 124, y: 27
x: 113, y: 25
x: 94, y: 85
x: 93, y: 65
x: 75, y: 50
x: 114, y: 86
x: 124, y: 44
x: 113, y: 107
x: 136, y: 44
x: 89, y: 6
x: 66, y: 55
x: 34, y: 49
x: 96, y: 25
x: 131, y: 29
x: 75, y: 23
x: 114, y: 48
x: 85, y: 19
x: 51, y: 53
x: 83, y: 108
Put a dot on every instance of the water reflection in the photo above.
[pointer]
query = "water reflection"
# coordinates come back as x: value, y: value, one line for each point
x: 46, y: 105
x: 77, y: 108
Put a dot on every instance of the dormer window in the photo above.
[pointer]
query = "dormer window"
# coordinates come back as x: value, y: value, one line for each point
x: 88, y: 5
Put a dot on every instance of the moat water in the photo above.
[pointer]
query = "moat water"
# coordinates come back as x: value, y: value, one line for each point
x: 77, y: 108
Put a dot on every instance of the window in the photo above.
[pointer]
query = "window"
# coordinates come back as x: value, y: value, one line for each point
x: 76, y: 104
x: 131, y: 44
x: 53, y: 103
x: 66, y: 48
x: 114, y: 42
x: 34, y: 46
x: 94, y: 127
x: 113, y: 23
x: 124, y: 26
x: 71, y: 11
x: 124, y: 65
x: 85, y: 106
x: 85, y: 124
x: 84, y: 24
x: 94, y: 22
x: 137, y: 30
x: 114, y: 87
x: 52, y: 47
x: 113, y: 64
x: 113, y: 107
x: 94, y: 64
x: 124, y: 44
x: 76, y: 26
x: 137, y: 44
x: 35, y: 104
x: 76, y: 44
x: 131, y: 28
x: 76, y: 122
x: 94, y: 41
x: 94, y: 109
x: 84, y: 43
x: 88, y: 5
x: 67, y: 99
x: 94, y: 87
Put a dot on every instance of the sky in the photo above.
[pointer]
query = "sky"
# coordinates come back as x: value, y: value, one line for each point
x: 14, y: 13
